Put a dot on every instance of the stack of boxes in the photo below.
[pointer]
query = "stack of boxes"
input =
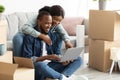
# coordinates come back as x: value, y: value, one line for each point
x: 22, y: 69
x: 104, y: 33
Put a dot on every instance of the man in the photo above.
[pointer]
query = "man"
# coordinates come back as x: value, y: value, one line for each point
x: 33, y: 48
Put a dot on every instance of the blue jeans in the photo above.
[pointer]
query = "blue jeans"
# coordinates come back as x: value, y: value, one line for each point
x: 17, y: 44
x: 55, y: 69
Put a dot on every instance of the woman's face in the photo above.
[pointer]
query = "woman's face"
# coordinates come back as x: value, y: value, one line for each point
x: 56, y: 20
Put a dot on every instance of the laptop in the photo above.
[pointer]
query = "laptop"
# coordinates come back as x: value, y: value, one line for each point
x: 72, y: 54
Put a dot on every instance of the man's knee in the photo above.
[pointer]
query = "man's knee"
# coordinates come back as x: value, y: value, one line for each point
x: 40, y: 65
x: 79, y: 61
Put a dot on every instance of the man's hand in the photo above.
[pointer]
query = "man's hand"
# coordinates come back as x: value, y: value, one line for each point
x: 48, y: 57
x: 46, y: 39
x: 53, y: 57
x: 67, y: 62
x: 68, y: 44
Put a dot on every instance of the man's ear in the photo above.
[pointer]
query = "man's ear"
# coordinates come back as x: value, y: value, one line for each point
x: 39, y: 21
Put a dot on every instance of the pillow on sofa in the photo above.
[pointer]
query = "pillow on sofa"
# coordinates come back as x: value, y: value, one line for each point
x: 24, y: 17
x: 69, y: 23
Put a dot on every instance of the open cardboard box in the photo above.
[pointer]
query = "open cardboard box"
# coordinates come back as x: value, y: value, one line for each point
x: 23, y: 69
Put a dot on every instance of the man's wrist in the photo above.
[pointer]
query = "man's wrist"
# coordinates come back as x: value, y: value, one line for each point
x: 46, y: 57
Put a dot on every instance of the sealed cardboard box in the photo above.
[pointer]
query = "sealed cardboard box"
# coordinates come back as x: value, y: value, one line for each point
x: 22, y: 70
x: 3, y: 31
x: 99, y: 54
x: 104, y: 25
x: 7, y: 57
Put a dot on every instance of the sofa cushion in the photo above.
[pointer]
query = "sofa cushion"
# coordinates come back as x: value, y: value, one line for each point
x: 24, y: 17
x: 9, y: 45
x: 12, y: 25
x: 70, y: 24
x: 21, y: 18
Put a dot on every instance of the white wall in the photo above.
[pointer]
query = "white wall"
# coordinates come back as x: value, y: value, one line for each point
x: 72, y: 7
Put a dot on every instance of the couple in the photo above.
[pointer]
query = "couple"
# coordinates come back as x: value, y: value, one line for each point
x: 33, y: 48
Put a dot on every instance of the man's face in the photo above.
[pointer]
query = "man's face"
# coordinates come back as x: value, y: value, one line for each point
x: 45, y: 23
x: 56, y: 20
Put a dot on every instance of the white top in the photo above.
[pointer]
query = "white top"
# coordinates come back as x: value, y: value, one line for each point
x: 44, y: 49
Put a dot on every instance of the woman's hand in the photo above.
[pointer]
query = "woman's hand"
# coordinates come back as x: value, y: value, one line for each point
x: 46, y: 39
x: 68, y: 44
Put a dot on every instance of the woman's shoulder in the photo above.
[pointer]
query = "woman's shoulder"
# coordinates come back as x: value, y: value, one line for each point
x: 59, y: 25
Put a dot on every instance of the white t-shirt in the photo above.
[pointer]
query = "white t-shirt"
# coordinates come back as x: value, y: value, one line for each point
x: 45, y: 52
x: 44, y: 49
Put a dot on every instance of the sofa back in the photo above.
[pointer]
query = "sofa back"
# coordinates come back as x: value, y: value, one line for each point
x: 69, y: 24
x: 16, y: 20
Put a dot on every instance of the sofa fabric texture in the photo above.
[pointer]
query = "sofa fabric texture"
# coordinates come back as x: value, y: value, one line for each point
x: 70, y: 23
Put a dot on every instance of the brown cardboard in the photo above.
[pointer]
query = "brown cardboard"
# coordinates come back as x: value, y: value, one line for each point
x: 17, y: 71
x: 7, y: 70
x: 23, y: 62
x: 104, y: 25
x: 7, y: 57
x: 3, y: 32
x: 99, y: 54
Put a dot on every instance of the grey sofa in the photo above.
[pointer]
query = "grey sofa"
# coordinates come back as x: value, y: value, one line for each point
x: 16, y: 20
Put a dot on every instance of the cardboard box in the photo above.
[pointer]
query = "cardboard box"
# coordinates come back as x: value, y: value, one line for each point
x: 3, y: 32
x: 7, y: 57
x: 104, y: 25
x: 99, y: 54
x: 22, y: 70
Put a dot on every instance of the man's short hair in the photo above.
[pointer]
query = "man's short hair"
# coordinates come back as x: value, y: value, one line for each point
x: 42, y: 13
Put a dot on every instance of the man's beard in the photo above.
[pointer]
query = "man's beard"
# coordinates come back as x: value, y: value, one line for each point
x: 42, y: 31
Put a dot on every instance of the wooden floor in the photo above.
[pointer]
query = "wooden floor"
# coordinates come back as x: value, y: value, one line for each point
x: 95, y: 74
